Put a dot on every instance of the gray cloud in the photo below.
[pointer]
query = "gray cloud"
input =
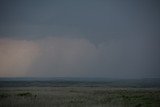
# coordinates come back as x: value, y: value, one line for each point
x: 80, y: 38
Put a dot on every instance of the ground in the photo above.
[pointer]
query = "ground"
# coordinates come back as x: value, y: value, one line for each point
x: 79, y: 97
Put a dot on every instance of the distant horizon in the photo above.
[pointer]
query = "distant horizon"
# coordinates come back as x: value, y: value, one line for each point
x: 84, y: 77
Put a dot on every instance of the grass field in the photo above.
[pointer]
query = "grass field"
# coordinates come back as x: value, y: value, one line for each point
x: 78, y: 97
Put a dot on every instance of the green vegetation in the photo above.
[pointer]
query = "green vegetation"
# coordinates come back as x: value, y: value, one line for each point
x: 25, y: 94
x: 78, y: 97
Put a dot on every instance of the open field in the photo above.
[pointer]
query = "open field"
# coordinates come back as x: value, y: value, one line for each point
x: 79, y: 97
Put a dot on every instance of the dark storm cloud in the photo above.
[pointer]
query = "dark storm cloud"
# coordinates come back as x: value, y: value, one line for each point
x: 96, y: 20
x: 117, y: 38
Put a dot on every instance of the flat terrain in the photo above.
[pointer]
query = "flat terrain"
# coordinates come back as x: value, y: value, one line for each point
x: 79, y: 97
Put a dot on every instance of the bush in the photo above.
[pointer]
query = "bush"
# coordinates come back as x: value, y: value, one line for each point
x: 26, y: 94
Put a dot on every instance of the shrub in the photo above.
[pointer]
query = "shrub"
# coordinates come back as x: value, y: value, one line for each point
x: 26, y: 94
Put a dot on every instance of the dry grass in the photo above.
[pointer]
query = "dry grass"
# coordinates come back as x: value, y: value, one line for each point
x: 78, y: 97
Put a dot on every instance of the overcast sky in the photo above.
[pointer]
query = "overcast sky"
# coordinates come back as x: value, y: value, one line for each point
x: 80, y: 38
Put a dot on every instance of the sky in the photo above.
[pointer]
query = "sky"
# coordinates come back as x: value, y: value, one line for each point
x: 80, y: 38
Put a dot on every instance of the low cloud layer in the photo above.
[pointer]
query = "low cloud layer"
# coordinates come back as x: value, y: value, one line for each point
x: 60, y: 56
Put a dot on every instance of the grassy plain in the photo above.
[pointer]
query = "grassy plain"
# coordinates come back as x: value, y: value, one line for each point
x: 79, y: 97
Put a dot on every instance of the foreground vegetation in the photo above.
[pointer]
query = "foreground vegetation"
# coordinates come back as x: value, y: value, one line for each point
x: 78, y: 97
